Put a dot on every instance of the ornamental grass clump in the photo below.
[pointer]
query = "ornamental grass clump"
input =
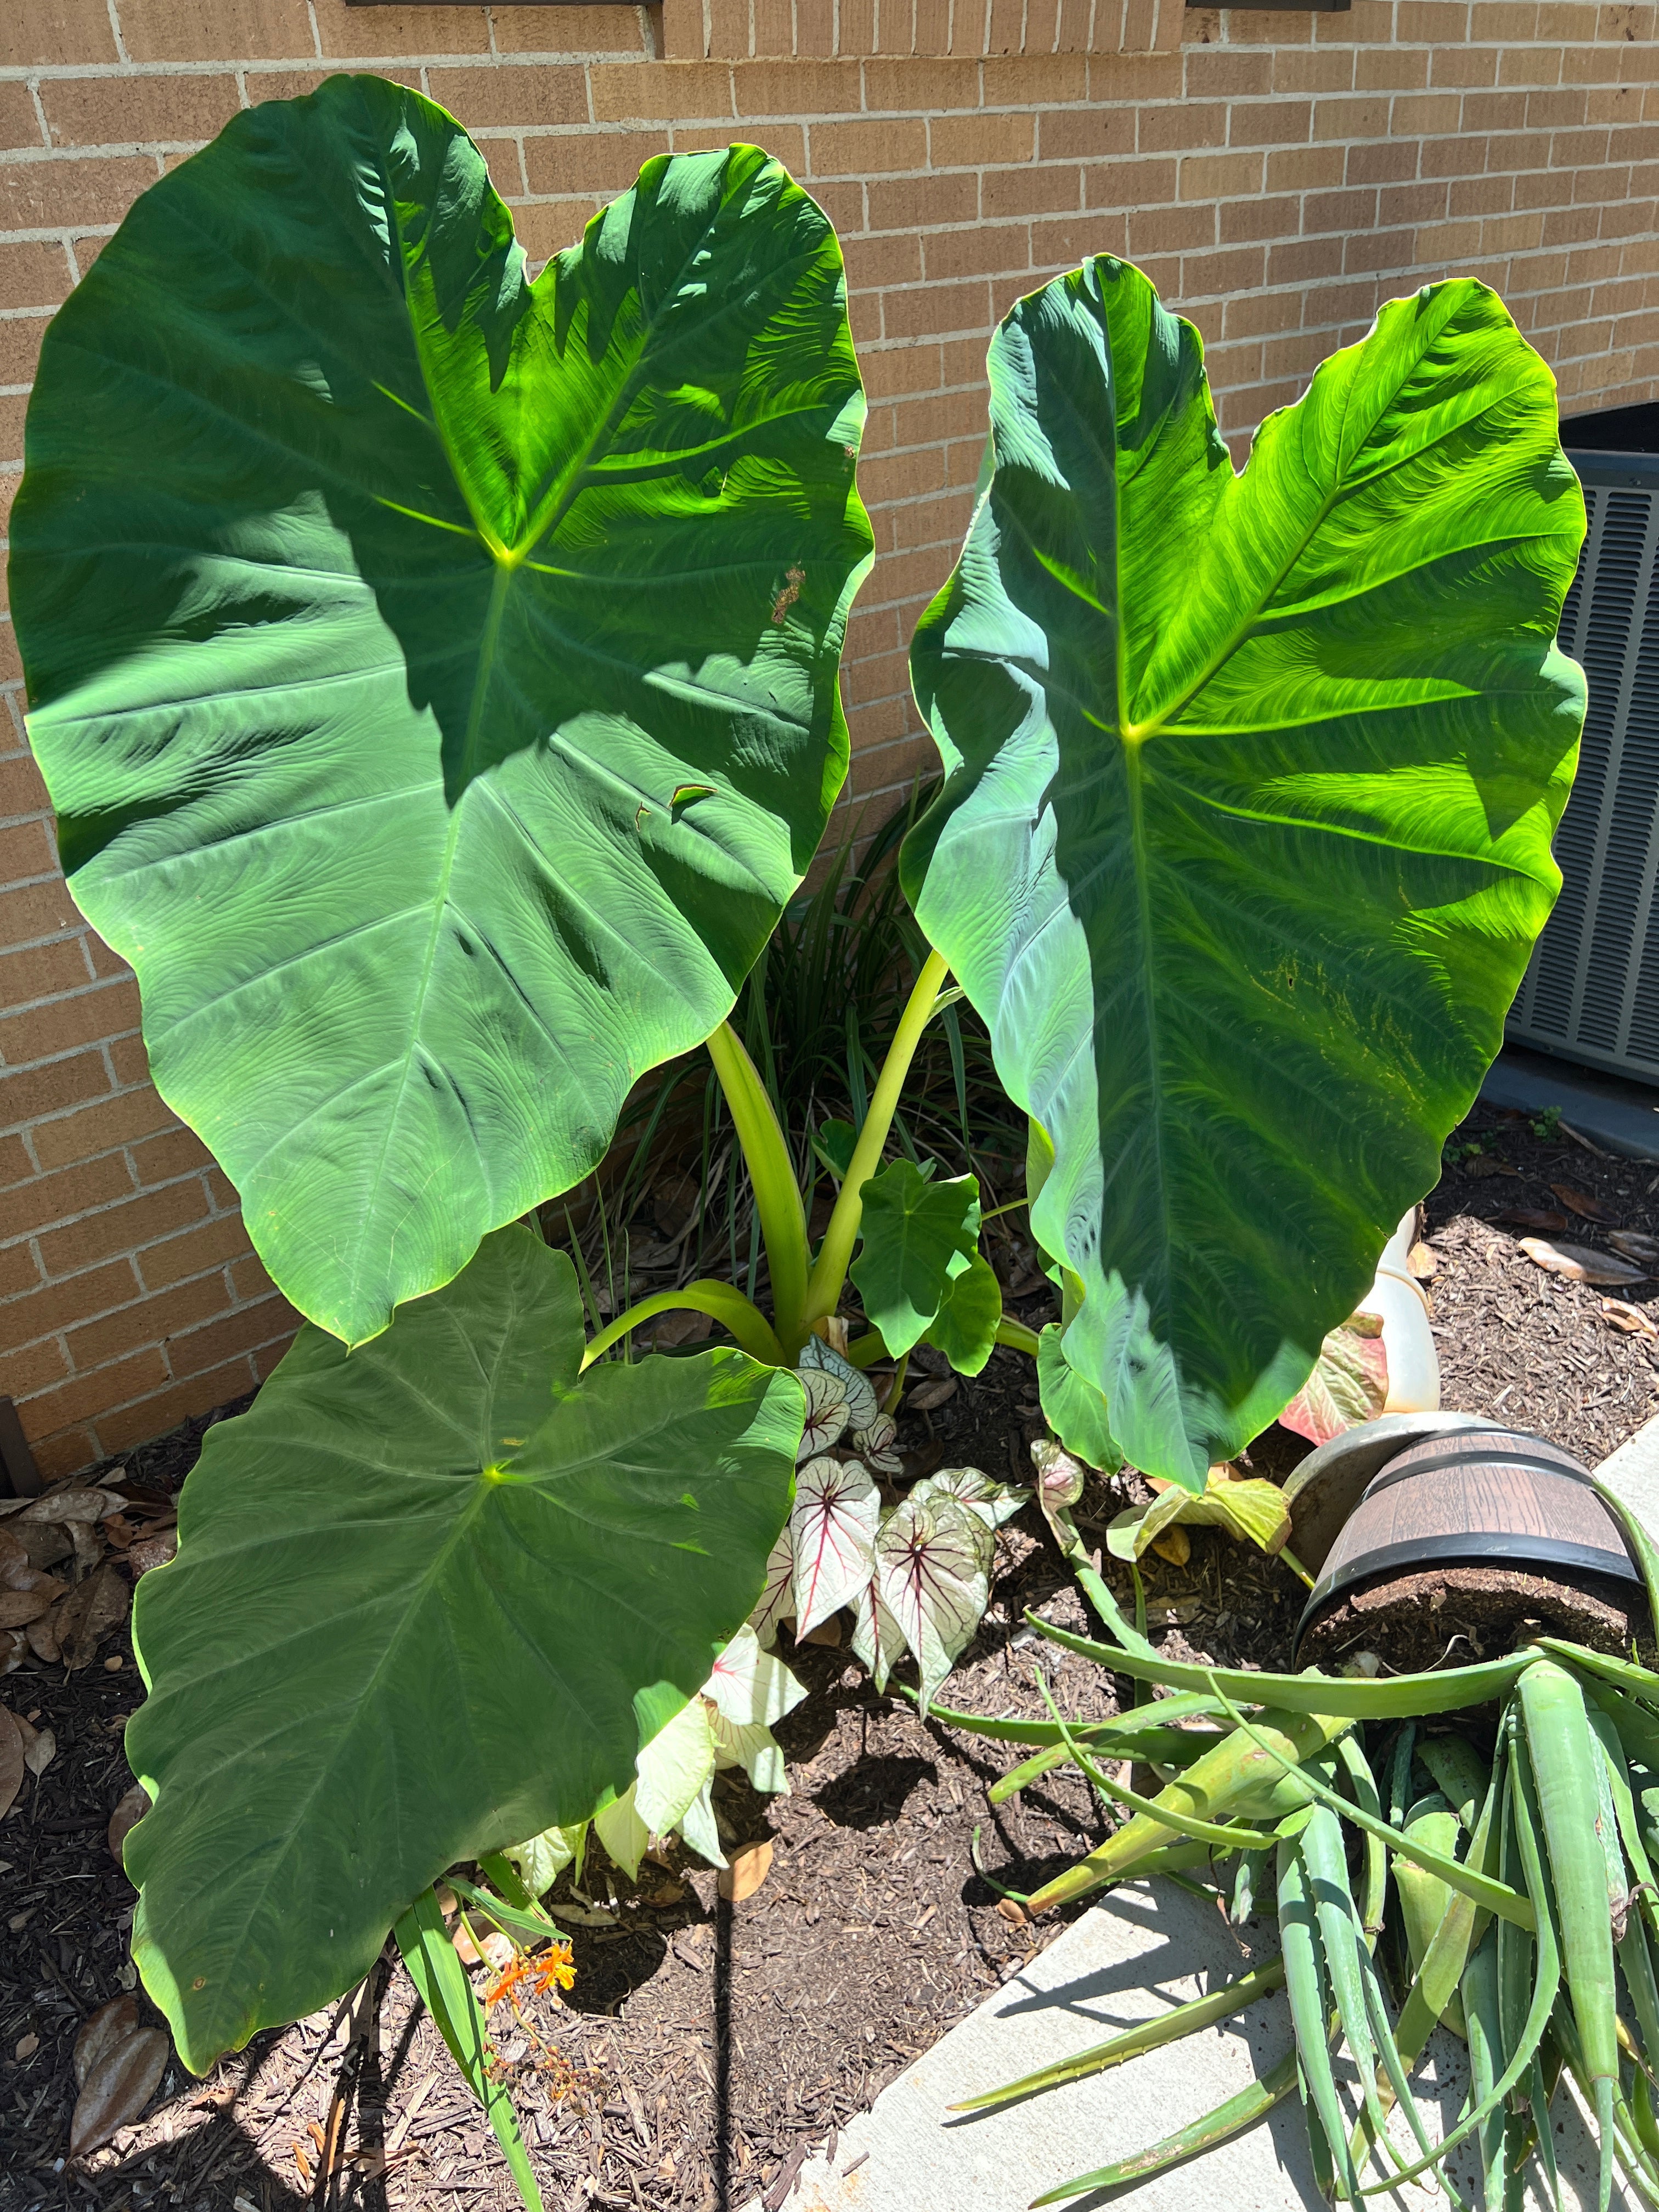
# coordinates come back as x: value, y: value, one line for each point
x: 1473, y: 1848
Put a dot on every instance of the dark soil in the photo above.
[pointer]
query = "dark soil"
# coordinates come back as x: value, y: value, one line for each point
x: 705, y: 2043
x: 1454, y: 1616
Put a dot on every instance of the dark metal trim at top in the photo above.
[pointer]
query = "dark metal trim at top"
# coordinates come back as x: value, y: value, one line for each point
x: 1278, y: 7
x: 558, y: 4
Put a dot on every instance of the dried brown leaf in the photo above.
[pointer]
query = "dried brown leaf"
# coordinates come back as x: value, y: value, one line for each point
x: 1174, y: 1545
x: 1633, y: 1243
x: 66, y: 1502
x: 46, y: 1542
x: 1630, y: 1319
x: 117, y: 2089
x: 13, y: 1557
x: 26, y: 2047
x: 1488, y: 1163
x: 1422, y: 1260
x: 1581, y: 1202
x: 12, y: 1768
x: 111, y: 2024
x: 1521, y: 1217
x: 149, y: 1551
x: 683, y: 1327
x: 749, y: 1865
x: 1578, y: 1263
x: 125, y: 1818
x: 88, y: 1612
x: 929, y: 1396
x: 40, y: 1745
x: 12, y: 1645
x: 42, y: 1637
x: 19, y: 1607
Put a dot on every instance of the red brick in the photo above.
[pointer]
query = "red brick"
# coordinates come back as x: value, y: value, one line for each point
x: 511, y: 98
x: 20, y: 346
x: 1039, y: 189
x: 221, y: 30
x: 922, y: 203
x: 137, y: 111
x: 990, y: 250
x: 573, y: 30
x: 24, y: 1098
x: 173, y: 1153
x: 1173, y: 129
x: 248, y: 1279
x: 59, y: 1025
x: 973, y: 142
x: 15, y: 1166
x: 928, y: 309
x: 865, y: 149
x: 154, y: 1414
x: 208, y: 1245
x: 202, y: 1349
x: 57, y: 1306
x: 935, y: 87
x: 71, y: 192
x: 66, y: 1453
x: 25, y: 1373
x: 59, y: 32
x: 19, y: 124
x: 148, y: 1321
x: 85, y: 1397
x: 626, y: 92
x: 49, y: 1198
x: 130, y: 1226
x: 100, y: 1128
x: 43, y: 971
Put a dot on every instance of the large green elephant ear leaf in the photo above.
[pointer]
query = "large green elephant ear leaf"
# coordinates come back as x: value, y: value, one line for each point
x: 430, y: 1598
x: 435, y: 673
x: 1250, y: 787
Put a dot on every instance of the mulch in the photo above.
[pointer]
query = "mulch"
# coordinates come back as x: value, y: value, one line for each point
x: 706, y: 2046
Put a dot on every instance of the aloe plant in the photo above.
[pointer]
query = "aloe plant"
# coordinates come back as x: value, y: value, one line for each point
x: 1521, y: 1902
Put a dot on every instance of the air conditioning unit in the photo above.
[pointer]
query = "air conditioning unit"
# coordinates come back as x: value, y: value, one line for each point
x: 1591, y: 992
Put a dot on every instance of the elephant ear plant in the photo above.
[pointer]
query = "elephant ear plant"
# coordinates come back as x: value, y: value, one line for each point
x: 435, y: 677
x: 1506, y: 1825
x: 1244, y: 842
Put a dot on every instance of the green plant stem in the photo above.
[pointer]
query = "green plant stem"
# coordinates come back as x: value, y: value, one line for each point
x: 1015, y: 1335
x: 722, y: 1301
x: 777, y: 1193
x: 890, y: 1396
x: 823, y: 1288
x: 1295, y: 1566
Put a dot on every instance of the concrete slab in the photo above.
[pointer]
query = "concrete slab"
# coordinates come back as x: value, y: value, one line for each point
x: 1610, y: 1111
x: 1130, y: 1959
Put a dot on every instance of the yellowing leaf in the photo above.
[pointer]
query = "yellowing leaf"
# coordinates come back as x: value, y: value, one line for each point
x: 1349, y: 1384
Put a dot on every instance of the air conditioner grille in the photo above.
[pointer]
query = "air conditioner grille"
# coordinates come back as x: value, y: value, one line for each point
x: 1593, y: 987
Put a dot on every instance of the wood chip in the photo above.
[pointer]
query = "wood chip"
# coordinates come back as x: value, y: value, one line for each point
x: 1421, y: 1261
x: 125, y: 1818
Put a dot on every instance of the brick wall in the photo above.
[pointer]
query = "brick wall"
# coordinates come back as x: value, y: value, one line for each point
x: 1277, y: 175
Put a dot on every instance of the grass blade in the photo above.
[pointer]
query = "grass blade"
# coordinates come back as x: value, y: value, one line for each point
x: 441, y: 1982
x: 1182, y: 2020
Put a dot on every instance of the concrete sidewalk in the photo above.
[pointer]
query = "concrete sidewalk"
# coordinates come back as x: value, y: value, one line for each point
x: 1130, y: 1959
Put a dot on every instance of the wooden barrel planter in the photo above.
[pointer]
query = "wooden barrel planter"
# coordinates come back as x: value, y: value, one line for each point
x: 1466, y: 1545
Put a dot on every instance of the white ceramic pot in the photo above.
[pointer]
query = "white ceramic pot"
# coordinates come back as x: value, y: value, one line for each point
x: 1397, y: 1296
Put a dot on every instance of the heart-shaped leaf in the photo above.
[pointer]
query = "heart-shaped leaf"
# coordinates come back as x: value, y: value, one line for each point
x: 933, y: 1576
x: 431, y: 1596
x: 832, y: 1531
x: 1075, y: 1409
x: 1349, y: 1384
x: 435, y: 673
x: 918, y: 1235
x: 1244, y: 842
x: 965, y: 1326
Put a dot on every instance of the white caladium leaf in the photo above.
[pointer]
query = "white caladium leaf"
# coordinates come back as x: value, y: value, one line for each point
x: 933, y: 1573
x: 833, y: 1528
x: 542, y: 1859
x: 816, y: 1354
x: 750, y: 1685
x: 752, y: 1745
x: 673, y: 1766
x: 700, y: 1829
x: 623, y: 1833
x: 777, y: 1597
x: 994, y: 1502
x: 877, y: 1639
x: 876, y: 1445
x: 1059, y: 1481
x: 1349, y: 1384
x: 826, y: 1412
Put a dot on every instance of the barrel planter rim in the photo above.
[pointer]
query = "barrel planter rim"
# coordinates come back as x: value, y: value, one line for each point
x: 1467, y: 1547
x: 1325, y: 1486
